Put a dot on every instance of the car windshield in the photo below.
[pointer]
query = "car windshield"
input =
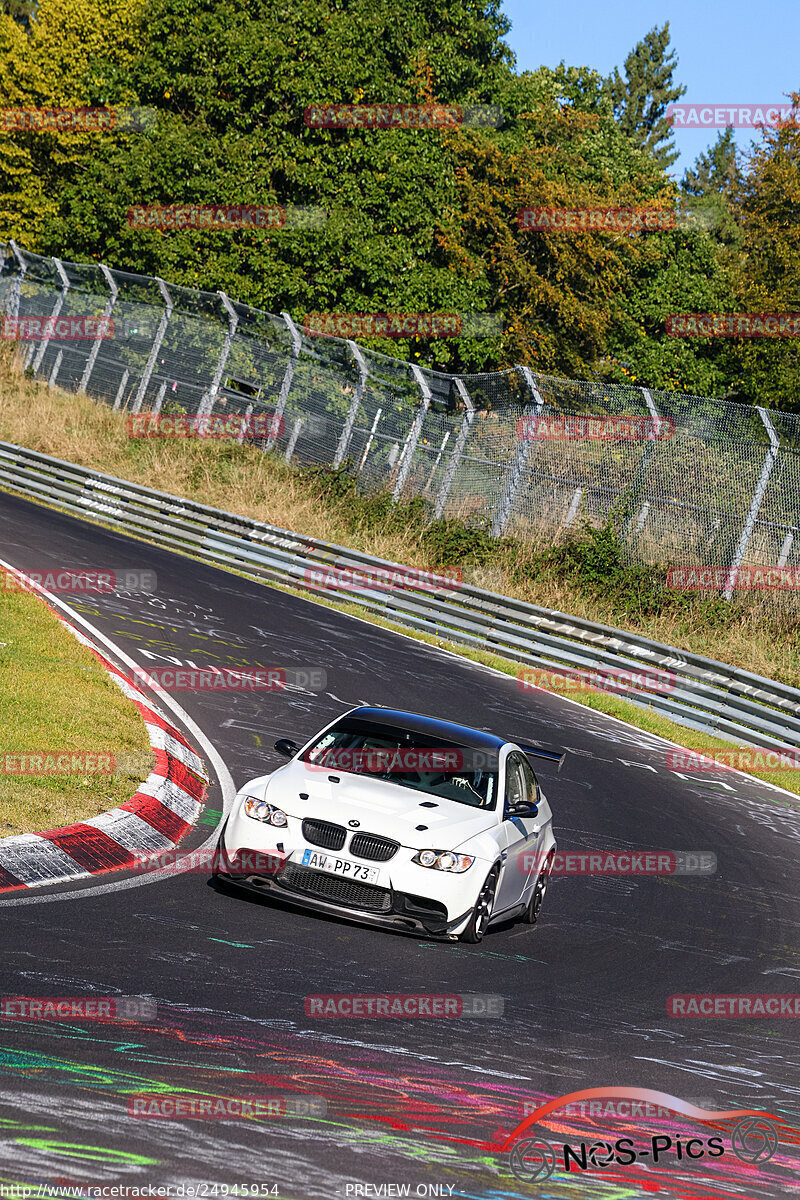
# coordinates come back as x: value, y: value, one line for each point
x: 414, y: 760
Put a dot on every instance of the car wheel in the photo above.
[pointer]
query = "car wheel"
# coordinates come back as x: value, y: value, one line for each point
x: 482, y: 912
x: 219, y: 850
x: 531, y: 914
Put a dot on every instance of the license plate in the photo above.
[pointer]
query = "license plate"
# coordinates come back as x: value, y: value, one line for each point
x: 340, y: 866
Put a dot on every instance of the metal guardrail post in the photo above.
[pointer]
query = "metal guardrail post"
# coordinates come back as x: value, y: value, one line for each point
x: 121, y: 389
x: 347, y: 432
x: 14, y: 296
x: 51, y: 383
x: 371, y: 438
x: 207, y: 402
x: 414, y: 433
x: 786, y: 548
x: 106, y: 317
x: 458, y: 449
x: 518, y: 466
x: 755, y: 503
x: 295, y: 434
x: 59, y: 304
x: 575, y: 504
x: 286, y: 382
x: 154, y: 349
x: 641, y: 470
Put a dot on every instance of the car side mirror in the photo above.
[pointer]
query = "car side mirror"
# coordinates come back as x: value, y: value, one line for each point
x: 525, y: 808
x: 287, y: 747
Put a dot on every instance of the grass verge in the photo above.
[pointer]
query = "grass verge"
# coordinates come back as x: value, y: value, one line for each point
x: 57, y: 697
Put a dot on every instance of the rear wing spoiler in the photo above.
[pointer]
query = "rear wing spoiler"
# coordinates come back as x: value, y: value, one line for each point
x: 557, y: 756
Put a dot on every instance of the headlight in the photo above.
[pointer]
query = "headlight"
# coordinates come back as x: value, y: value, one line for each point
x: 259, y: 810
x: 444, y: 860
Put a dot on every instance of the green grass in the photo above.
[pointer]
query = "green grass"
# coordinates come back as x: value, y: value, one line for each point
x: 56, y: 696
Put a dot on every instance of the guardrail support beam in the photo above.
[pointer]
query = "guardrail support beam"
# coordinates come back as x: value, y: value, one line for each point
x: 458, y: 449
x: 347, y: 432
x: 755, y: 503
x: 286, y: 382
x: 410, y: 447
x: 106, y: 317
x: 518, y: 466
x: 154, y: 349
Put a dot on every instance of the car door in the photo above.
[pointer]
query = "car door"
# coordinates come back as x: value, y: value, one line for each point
x: 519, y: 836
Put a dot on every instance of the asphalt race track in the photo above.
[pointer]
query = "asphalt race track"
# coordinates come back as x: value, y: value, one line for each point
x: 407, y: 1101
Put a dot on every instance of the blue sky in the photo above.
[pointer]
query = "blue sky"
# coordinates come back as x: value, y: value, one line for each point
x: 737, y: 53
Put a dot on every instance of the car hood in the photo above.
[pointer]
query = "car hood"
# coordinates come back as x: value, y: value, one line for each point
x: 379, y: 807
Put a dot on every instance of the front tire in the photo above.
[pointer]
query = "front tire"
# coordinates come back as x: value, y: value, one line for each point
x: 482, y: 912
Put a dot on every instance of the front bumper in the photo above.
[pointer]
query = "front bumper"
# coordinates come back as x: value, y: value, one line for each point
x: 411, y: 914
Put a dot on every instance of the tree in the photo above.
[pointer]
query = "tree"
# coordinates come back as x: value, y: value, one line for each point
x: 20, y: 11
x: 767, y: 203
x: 640, y: 99
x: 716, y: 170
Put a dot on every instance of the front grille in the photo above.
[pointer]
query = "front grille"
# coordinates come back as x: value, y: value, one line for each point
x: 369, y: 845
x: 322, y: 833
x: 346, y: 892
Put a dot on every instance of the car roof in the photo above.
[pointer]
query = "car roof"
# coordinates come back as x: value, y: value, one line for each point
x: 461, y: 735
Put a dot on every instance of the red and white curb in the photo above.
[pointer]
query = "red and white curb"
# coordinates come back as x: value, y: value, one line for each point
x: 163, y: 810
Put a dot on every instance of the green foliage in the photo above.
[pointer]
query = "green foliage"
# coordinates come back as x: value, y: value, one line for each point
x: 641, y: 99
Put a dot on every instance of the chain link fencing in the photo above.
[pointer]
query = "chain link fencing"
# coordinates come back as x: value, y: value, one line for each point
x: 690, y: 480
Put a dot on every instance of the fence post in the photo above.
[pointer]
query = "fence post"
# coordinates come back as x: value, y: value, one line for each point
x: 458, y: 449
x: 53, y: 374
x: 347, y: 432
x: 755, y: 503
x: 641, y: 470
x: 122, y: 385
x: 575, y: 504
x: 295, y: 434
x: 14, y: 296
x: 370, y: 439
x: 786, y: 549
x: 518, y: 466
x: 414, y: 433
x: 106, y: 317
x: 207, y: 402
x: 286, y: 382
x: 59, y: 304
x: 156, y: 346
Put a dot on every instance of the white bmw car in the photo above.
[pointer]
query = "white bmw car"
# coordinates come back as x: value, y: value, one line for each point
x: 397, y: 820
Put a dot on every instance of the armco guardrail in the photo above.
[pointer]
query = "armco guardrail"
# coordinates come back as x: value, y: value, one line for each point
x: 707, y: 695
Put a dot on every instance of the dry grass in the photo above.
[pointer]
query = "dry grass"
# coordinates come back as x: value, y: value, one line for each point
x: 56, y: 696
